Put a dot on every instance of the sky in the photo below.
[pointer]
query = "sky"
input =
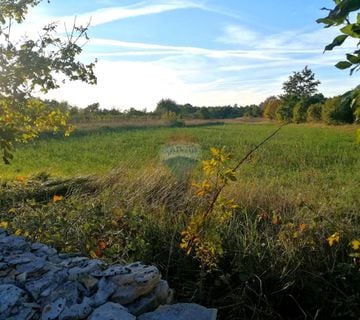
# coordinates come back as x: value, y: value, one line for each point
x: 202, y: 52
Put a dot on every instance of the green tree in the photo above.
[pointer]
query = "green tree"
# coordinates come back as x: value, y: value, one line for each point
x: 28, y: 65
x: 284, y: 112
x: 301, y: 84
x: 337, y: 110
x: 313, y: 113
x: 166, y: 107
x: 340, y: 16
x: 301, y: 107
x: 269, y: 107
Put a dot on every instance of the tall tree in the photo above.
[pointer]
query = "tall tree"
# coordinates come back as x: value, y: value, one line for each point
x: 28, y: 65
x: 301, y: 84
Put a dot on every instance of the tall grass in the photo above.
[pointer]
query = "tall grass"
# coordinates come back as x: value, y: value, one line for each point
x: 299, y: 189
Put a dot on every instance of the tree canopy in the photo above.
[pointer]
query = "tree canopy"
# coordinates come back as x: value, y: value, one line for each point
x: 301, y: 84
x: 34, y: 65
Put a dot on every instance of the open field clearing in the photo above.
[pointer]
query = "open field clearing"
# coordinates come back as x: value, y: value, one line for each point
x: 289, y: 247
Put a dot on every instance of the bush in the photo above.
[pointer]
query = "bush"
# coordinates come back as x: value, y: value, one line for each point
x: 313, y: 113
x: 337, y: 110
x: 270, y: 107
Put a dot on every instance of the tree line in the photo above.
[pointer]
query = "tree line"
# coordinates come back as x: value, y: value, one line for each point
x: 299, y: 102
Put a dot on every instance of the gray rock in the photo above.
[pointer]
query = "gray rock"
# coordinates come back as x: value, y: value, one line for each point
x: 111, y: 311
x: 113, y: 270
x: 86, y: 266
x: 161, y: 295
x: 70, y: 290
x: 37, y: 265
x: 52, y: 311
x: 10, y: 295
x: 3, y: 266
x: 105, y: 290
x: 180, y: 311
x: 37, y: 282
x: 77, y: 311
x: 72, y: 262
x: 42, y: 250
x: 139, y: 282
x: 23, y: 314
x: 88, y: 281
x: 37, y: 285
x: 19, y: 258
x: 14, y: 244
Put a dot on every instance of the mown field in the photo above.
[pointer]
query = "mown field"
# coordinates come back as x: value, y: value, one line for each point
x: 288, y: 250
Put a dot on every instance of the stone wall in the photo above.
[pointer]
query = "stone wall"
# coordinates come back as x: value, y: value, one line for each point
x: 36, y: 282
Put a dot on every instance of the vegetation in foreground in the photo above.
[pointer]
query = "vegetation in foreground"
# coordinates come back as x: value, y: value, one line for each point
x: 289, y: 249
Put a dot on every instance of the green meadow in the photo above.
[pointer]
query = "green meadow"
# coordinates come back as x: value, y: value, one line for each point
x: 287, y: 251
x: 295, y: 151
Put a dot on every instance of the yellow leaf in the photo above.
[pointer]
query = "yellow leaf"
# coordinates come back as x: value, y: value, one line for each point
x: 57, y: 198
x: 18, y: 232
x: 333, y: 239
x: 20, y: 179
x: 355, y: 244
x: 215, y: 151
x: 93, y: 254
x: 302, y: 227
x: 275, y: 219
x: 4, y: 224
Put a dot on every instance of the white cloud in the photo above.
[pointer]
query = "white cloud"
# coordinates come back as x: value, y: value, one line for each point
x: 251, y: 66
x: 110, y: 14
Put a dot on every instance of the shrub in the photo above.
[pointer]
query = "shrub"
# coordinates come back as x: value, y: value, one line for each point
x: 313, y: 113
x: 336, y: 110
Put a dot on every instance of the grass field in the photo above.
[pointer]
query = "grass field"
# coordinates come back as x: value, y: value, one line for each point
x: 303, y: 161
x: 297, y: 148
x: 307, y: 177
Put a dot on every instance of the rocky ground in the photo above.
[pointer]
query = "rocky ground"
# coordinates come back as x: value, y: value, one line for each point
x: 36, y: 282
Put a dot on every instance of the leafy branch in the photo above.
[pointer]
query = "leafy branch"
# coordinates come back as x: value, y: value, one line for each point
x: 202, y: 235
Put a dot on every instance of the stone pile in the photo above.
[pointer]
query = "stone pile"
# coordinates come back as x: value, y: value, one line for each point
x: 36, y: 282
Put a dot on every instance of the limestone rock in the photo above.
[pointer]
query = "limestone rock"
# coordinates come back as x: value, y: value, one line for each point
x: 111, y: 311
x: 10, y: 296
x: 140, y: 281
x: 53, y: 310
x: 105, y: 290
x: 161, y: 295
x: 180, y: 311
x: 38, y: 283
x: 77, y: 311
x: 14, y: 244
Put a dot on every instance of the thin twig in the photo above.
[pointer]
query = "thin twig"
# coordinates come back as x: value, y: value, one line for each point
x: 239, y: 164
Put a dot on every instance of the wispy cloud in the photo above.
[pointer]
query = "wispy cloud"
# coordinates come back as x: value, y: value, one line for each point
x: 242, y: 65
x: 110, y: 14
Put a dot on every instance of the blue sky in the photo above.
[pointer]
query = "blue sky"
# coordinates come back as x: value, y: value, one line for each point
x: 203, y: 52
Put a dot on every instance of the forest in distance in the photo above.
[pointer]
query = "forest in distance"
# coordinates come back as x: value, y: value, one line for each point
x: 300, y: 102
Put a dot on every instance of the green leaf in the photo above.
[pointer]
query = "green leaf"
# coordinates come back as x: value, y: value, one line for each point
x: 352, y: 30
x: 338, y: 41
x: 353, y: 59
x: 348, y: 6
x: 329, y: 22
x: 343, y: 65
